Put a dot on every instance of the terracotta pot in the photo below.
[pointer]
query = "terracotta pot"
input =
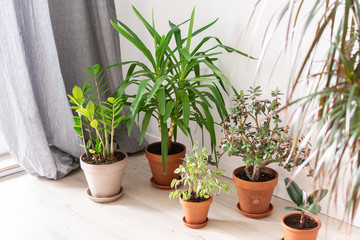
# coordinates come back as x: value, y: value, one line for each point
x: 297, y: 234
x: 104, y: 180
x: 196, y: 212
x: 255, y: 197
x: 173, y: 162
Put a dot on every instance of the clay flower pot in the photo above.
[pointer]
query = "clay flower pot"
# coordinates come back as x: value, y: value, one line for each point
x: 160, y: 179
x: 104, y: 180
x: 297, y: 234
x: 196, y: 212
x: 255, y: 197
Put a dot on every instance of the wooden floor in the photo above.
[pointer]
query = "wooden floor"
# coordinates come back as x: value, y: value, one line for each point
x: 35, y: 208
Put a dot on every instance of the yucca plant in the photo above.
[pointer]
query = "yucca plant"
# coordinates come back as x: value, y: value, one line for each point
x: 97, y: 119
x: 333, y: 104
x: 172, y: 87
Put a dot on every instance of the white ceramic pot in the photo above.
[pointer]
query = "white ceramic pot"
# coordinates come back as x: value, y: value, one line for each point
x: 104, y: 180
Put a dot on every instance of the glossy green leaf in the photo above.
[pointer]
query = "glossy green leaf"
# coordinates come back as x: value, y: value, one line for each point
x: 160, y: 96
x: 186, y: 108
x: 295, y: 193
x: 164, y: 143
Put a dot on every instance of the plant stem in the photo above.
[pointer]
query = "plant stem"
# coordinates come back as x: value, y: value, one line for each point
x: 112, y: 133
x: 302, y: 219
x: 106, y: 138
x: 83, y: 137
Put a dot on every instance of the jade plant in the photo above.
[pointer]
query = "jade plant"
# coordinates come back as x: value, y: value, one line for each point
x: 253, y: 132
x: 304, y: 203
x: 96, y: 120
x: 173, y: 85
x: 198, y: 179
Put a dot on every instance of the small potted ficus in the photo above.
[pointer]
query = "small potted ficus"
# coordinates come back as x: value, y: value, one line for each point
x: 304, y: 224
x: 252, y: 131
x: 199, y: 181
x: 95, y: 123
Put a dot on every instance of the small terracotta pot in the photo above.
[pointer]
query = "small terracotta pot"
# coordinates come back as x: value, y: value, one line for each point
x: 255, y: 197
x: 173, y: 162
x: 104, y: 180
x: 297, y: 234
x: 196, y: 212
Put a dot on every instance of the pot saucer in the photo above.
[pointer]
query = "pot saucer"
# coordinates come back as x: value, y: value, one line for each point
x: 195, y: 226
x: 166, y: 187
x: 105, y: 199
x: 255, y: 215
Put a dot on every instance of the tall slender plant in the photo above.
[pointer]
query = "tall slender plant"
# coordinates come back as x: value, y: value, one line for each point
x: 335, y: 93
x: 96, y: 120
x: 172, y: 87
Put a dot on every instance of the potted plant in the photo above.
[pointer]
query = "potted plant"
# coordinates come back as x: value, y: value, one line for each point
x: 252, y: 131
x: 96, y: 123
x: 173, y: 90
x: 199, y: 182
x: 302, y: 225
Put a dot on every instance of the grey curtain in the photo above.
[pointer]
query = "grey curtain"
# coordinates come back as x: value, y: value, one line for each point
x: 45, y: 46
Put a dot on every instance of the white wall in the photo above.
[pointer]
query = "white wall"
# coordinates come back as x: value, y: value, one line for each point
x: 233, y: 29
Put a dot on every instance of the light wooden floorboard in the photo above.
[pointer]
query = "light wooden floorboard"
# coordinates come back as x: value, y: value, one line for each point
x: 37, y: 208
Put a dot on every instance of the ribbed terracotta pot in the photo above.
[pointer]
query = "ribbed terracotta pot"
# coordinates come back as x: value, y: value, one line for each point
x: 173, y: 162
x: 104, y: 180
x: 196, y: 212
x: 255, y: 197
x: 296, y: 234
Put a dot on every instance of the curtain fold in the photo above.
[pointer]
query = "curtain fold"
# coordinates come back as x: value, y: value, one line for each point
x: 44, y: 49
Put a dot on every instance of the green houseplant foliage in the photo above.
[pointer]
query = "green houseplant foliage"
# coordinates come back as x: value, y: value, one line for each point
x: 332, y: 104
x: 252, y: 131
x: 96, y: 120
x: 197, y: 177
x: 304, y: 203
x: 171, y: 86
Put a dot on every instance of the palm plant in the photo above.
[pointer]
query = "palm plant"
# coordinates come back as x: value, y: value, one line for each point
x: 172, y: 88
x: 334, y: 100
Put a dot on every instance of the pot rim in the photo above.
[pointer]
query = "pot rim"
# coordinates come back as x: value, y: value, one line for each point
x: 159, y: 143
x: 187, y: 202
x: 115, y: 150
x: 302, y: 230
x: 244, y: 181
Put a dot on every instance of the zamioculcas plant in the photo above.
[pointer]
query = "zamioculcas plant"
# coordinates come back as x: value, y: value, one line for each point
x: 253, y: 132
x: 97, y: 120
x: 304, y: 203
x: 95, y: 123
x: 172, y: 86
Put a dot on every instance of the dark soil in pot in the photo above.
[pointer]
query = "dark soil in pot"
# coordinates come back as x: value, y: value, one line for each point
x: 156, y: 149
x: 264, y: 177
x: 193, y: 198
x: 293, y: 221
x: 118, y: 156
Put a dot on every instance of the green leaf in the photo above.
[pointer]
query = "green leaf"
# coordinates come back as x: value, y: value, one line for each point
x: 186, y: 107
x: 78, y: 95
x: 169, y: 107
x: 156, y: 86
x: 295, y: 193
x: 164, y: 143
x: 78, y: 130
x: 140, y: 93
x: 190, y: 30
x: 111, y: 100
x: 94, y: 123
x: 185, y: 53
x: 317, y: 196
x: 292, y: 209
x: 145, y: 124
x: 83, y: 111
x: 90, y: 107
x: 160, y: 96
